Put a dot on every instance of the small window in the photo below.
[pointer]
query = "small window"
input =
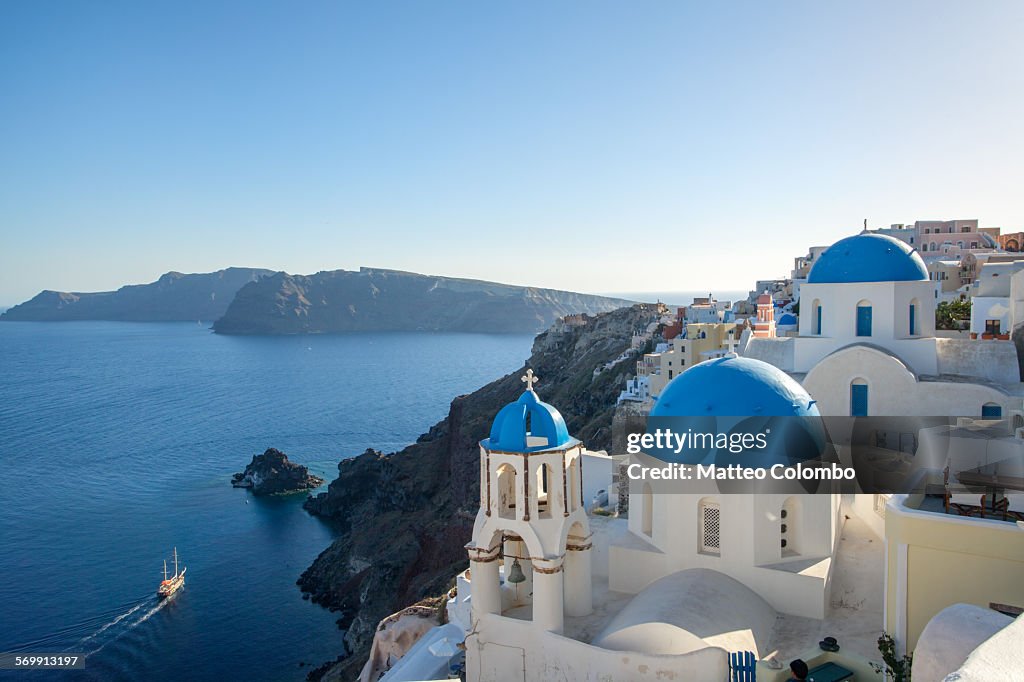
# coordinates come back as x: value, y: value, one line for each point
x: 859, y: 398
x: 647, y: 510
x: 864, y: 318
x: 710, y: 528
x: 992, y: 327
x: 991, y: 411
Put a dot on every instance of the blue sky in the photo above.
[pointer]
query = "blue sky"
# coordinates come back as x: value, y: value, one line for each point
x: 589, y: 146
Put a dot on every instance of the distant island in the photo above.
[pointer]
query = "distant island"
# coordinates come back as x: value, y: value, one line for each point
x: 390, y: 300
x: 175, y: 297
x: 256, y: 301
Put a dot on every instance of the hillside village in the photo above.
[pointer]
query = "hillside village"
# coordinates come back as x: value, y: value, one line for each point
x: 577, y: 573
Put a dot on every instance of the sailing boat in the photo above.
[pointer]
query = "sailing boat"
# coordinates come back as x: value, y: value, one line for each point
x: 171, y: 585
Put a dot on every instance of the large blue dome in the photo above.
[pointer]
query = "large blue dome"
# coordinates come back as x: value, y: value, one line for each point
x: 526, y: 418
x: 735, y: 387
x: 868, y: 258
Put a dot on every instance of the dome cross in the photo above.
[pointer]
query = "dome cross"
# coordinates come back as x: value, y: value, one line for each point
x: 529, y: 380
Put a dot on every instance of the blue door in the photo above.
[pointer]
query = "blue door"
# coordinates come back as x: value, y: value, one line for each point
x: 858, y: 400
x: 863, y: 320
x: 991, y: 412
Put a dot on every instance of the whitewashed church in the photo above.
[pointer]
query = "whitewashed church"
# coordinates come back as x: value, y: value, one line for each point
x: 555, y: 593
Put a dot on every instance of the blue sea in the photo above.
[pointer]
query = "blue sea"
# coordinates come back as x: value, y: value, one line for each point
x: 117, y: 443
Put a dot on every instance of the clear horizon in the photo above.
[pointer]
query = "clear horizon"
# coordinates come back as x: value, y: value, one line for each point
x: 587, y: 147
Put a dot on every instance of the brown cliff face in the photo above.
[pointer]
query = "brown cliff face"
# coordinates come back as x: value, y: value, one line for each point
x: 404, y: 518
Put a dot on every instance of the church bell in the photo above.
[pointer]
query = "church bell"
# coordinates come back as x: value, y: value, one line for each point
x: 515, y: 575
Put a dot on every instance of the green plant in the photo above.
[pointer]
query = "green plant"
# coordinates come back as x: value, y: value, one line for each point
x: 948, y: 314
x: 896, y: 668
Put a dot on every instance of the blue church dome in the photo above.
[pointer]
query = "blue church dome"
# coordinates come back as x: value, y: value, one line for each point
x: 868, y: 258
x: 786, y: 318
x: 527, y: 417
x: 735, y: 387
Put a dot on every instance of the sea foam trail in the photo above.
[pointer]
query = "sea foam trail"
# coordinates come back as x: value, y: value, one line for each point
x: 83, y: 631
x: 127, y: 614
x: 127, y: 622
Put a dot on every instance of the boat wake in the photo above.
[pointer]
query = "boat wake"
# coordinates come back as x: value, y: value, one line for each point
x: 113, y: 623
x: 121, y: 625
x: 93, y: 633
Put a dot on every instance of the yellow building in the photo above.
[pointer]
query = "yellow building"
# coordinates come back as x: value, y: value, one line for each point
x: 703, y: 340
x: 935, y: 560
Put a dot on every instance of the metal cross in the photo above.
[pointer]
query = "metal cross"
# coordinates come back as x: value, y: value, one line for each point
x: 529, y: 379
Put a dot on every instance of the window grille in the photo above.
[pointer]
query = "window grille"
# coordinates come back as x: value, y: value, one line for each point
x: 711, y: 528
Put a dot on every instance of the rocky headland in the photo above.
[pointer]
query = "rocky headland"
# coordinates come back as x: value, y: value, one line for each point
x: 272, y: 473
x: 405, y: 517
x: 390, y: 300
x: 175, y: 297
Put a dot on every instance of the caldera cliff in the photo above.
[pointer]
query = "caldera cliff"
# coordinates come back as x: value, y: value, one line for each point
x: 175, y: 297
x: 390, y: 300
x: 405, y: 517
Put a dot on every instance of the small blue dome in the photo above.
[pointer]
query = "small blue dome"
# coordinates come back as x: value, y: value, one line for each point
x: 509, y: 429
x: 786, y: 318
x: 735, y: 387
x: 868, y: 258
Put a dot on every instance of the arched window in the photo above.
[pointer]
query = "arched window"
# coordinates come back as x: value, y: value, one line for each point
x: 915, y: 317
x: 647, y: 509
x: 991, y: 411
x: 545, y: 492
x: 574, y: 485
x: 709, y: 532
x: 858, y: 398
x: 789, y: 527
x: 816, y: 312
x: 864, y: 318
x: 507, y: 491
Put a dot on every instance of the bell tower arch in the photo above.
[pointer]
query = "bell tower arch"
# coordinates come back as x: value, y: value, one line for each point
x: 531, y: 541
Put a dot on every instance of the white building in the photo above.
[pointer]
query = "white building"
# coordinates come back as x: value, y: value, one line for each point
x: 687, y: 579
x: 867, y: 343
x: 991, y: 309
x: 553, y: 598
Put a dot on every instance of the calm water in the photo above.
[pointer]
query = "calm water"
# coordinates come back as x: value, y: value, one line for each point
x: 117, y: 442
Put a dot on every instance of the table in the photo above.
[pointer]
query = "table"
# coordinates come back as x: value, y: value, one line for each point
x: 987, y: 476
x: 829, y: 672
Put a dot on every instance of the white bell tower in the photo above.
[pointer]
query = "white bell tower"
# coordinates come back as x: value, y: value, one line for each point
x: 531, y: 540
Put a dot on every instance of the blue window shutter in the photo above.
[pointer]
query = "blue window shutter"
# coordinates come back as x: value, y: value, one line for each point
x: 913, y: 321
x: 817, y: 328
x: 858, y: 400
x: 864, y: 320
